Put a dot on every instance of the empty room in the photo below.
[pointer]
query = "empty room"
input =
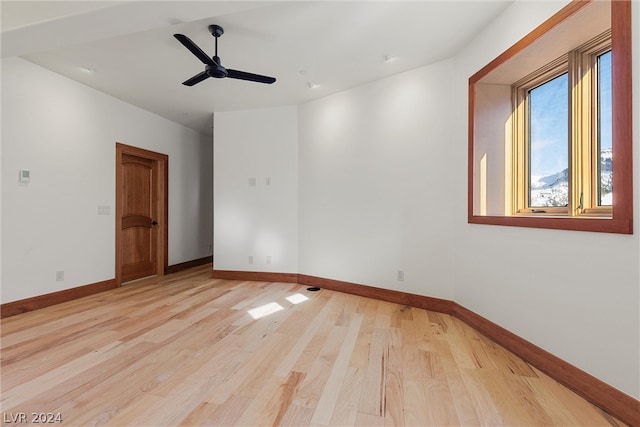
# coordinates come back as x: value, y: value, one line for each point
x: 327, y: 213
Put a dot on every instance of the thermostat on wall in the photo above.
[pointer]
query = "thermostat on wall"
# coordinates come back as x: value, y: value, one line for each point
x: 25, y: 176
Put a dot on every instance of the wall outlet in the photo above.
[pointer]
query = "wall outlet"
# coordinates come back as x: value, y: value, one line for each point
x: 252, y: 181
x: 210, y: 247
x: 268, y: 259
x: 400, y: 275
x: 267, y: 181
x: 250, y: 259
x: 104, y: 210
x: 59, y: 276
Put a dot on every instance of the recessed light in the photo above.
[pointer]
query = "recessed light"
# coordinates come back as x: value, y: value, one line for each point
x: 87, y: 70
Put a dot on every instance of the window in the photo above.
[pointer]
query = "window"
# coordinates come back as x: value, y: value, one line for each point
x: 604, y: 148
x: 550, y: 125
x: 545, y: 146
x: 562, y: 135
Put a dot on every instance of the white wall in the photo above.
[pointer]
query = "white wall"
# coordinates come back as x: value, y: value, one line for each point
x: 262, y: 220
x: 65, y: 134
x: 575, y: 294
x: 375, y: 184
x: 492, y: 150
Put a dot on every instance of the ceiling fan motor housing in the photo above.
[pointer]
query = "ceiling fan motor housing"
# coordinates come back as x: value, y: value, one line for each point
x: 216, y: 71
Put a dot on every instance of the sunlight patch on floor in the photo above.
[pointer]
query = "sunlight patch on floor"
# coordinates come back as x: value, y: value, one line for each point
x: 265, y: 310
x: 297, y: 298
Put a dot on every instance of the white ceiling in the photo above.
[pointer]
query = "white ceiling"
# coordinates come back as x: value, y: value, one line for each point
x: 334, y: 44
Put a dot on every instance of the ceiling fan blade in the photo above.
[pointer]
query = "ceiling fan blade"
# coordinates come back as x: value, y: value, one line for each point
x: 189, y: 44
x: 196, y: 79
x: 242, y: 75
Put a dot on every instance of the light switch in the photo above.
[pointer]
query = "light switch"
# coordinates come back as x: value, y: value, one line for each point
x: 24, y: 176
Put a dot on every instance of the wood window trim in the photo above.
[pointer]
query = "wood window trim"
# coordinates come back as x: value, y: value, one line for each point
x: 520, y: 166
x: 580, y: 65
x: 587, y: 165
x: 621, y: 220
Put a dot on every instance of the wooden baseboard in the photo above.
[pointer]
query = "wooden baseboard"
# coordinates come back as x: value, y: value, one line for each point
x: 255, y: 276
x: 188, y: 264
x: 601, y: 394
x: 29, y: 304
x: 413, y: 300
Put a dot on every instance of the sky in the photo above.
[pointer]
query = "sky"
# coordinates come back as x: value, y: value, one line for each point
x: 605, y: 100
x: 549, y: 121
x: 549, y: 109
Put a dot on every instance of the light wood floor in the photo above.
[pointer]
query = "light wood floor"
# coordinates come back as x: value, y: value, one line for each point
x: 186, y: 350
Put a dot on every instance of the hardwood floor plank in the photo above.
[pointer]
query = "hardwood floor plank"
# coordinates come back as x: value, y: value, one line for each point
x: 413, y: 384
x: 373, y: 397
x: 584, y: 412
x: 179, y: 402
x: 39, y: 365
x: 296, y: 416
x: 239, y: 370
x: 273, y: 402
x: 368, y: 420
x: 71, y: 396
x: 185, y: 349
x: 262, y: 371
x: 505, y: 399
x: 229, y: 411
x: 415, y: 408
x: 462, y: 402
x: 482, y: 400
x: 311, y: 389
x: 408, y: 333
x: 328, y: 399
x: 346, y: 409
x: 302, y: 344
x: 395, y: 400
x: 199, y: 415
x: 559, y: 413
x: 440, y: 403
x: 306, y: 314
x: 28, y: 377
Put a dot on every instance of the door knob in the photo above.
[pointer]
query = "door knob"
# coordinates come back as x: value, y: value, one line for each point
x: 154, y: 223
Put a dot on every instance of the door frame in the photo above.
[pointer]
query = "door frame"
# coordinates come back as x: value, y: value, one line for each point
x: 162, y: 161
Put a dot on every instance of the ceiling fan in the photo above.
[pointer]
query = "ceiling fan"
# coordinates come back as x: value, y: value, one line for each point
x: 213, y: 66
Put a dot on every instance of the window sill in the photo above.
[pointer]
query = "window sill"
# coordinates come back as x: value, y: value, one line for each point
x: 586, y: 215
x: 593, y: 224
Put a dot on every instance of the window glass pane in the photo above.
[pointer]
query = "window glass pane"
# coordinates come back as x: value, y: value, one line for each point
x: 548, y: 163
x: 605, y: 148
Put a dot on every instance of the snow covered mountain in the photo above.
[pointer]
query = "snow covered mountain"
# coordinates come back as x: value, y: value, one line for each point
x: 553, y: 190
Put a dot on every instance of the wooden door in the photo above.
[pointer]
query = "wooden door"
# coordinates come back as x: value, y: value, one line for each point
x: 141, y: 213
